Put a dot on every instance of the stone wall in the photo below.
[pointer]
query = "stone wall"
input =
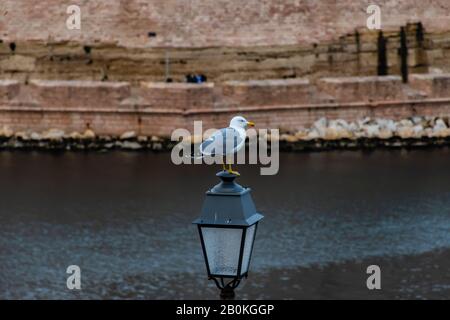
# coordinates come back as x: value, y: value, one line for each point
x: 112, y: 108
x: 223, y: 39
x: 352, y: 54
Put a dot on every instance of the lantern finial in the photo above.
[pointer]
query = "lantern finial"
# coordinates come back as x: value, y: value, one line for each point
x: 227, y: 185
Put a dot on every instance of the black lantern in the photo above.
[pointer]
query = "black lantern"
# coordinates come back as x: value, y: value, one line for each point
x: 227, y: 228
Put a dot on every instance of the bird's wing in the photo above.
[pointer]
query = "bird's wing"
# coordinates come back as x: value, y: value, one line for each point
x: 222, y: 142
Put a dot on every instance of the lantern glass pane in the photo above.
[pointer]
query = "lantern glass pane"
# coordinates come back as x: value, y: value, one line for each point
x: 222, y: 247
x: 249, y: 238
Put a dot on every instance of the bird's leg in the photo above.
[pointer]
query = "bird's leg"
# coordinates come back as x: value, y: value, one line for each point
x: 230, y: 170
x: 224, y: 167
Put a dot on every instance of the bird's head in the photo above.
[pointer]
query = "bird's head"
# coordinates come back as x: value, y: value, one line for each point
x: 241, y: 122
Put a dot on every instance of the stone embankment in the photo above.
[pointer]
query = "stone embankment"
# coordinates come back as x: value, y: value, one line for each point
x: 324, y: 134
x: 157, y: 109
x: 369, y: 133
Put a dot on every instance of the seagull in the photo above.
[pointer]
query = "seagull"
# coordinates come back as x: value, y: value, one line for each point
x: 227, y: 141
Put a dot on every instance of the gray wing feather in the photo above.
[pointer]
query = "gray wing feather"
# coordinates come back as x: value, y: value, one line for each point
x: 222, y: 142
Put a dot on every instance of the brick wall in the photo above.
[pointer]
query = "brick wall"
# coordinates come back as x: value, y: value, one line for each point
x: 434, y: 85
x: 176, y: 95
x: 205, y: 23
x: 79, y: 94
x: 111, y: 108
x: 363, y: 88
x: 269, y: 92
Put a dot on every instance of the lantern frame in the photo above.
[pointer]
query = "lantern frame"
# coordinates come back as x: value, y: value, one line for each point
x: 228, y: 206
x: 244, y: 229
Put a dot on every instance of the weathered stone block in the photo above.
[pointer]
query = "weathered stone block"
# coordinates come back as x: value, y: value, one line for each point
x: 435, y: 85
x: 16, y: 63
x: 269, y: 92
x: 177, y: 95
x: 348, y: 89
x: 79, y: 94
x: 8, y: 89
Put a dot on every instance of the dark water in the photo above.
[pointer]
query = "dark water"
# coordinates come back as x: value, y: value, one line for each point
x: 125, y: 219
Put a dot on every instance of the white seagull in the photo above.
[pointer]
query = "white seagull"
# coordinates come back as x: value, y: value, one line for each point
x: 227, y: 141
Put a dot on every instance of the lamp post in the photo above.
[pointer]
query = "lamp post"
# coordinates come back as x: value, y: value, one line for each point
x: 227, y: 228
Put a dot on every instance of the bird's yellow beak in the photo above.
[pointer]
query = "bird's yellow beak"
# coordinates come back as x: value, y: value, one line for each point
x: 250, y: 124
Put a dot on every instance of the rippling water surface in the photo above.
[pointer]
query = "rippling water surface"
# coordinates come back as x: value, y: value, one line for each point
x: 125, y: 219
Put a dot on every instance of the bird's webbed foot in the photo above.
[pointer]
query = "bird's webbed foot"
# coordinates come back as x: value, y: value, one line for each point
x: 230, y: 170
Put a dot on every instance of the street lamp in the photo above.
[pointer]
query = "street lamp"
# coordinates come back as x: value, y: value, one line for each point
x: 227, y: 228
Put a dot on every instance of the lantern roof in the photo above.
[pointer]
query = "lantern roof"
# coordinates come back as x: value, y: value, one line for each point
x: 228, y: 204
